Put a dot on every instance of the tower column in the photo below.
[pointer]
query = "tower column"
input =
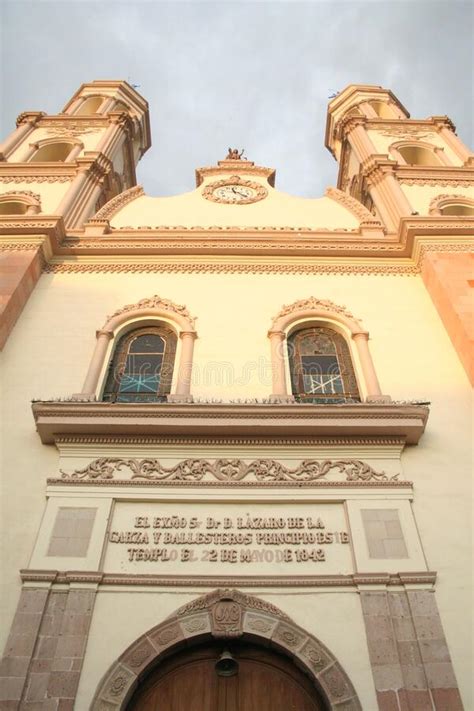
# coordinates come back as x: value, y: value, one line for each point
x: 357, y: 136
x: 25, y: 125
x: 385, y: 191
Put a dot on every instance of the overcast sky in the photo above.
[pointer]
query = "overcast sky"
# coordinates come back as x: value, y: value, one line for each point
x: 253, y: 75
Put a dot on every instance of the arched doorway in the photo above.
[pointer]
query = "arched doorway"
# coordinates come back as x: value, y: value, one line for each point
x: 270, y: 649
x: 247, y: 678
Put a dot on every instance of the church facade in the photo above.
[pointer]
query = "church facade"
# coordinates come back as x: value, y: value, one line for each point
x: 236, y: 423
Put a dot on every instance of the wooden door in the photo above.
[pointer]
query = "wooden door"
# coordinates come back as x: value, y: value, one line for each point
x: 266, y: 681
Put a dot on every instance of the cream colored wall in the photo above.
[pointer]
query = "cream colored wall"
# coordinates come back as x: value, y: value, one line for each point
x: 382, y: 143
x: 420, y: 196
x: 49, y: 350
x: 277, y: 210
x: 144, y: 609
x: 51, y: 194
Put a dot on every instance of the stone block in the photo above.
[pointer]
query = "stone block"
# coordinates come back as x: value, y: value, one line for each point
x: 37, y: 687
x: 387, y: 677
x: 447, y: 700
x: 415, y: 700
x: 414, y: 676
x: 434, y: 650
x: 289, y: 636
x: 11, y: 688
x: 166, y: 636
x: 70, y: 646
x: 387, y: 701
x: 374, y: 603
x: 440, y: 675
x: 383, y: 652
x: 409, y: 653
x: 139, y: 656
x: 63, y: 685
x: 14, y: 666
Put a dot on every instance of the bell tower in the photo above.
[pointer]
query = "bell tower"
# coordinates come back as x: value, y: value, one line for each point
x: 57, y: 170
x: 383, y: 154
x: 417, y: 176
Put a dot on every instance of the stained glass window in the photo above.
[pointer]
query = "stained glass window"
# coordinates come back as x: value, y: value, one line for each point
x: 141, y: 368
x: 321, y: 366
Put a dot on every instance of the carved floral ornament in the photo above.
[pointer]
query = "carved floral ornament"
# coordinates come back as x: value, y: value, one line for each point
x: 228, y: 471
x: 156, y: 302
x: 226, y: 614
x: 311, y: 304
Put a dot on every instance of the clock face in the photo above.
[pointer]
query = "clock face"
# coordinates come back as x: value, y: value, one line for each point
x: 234, y: 191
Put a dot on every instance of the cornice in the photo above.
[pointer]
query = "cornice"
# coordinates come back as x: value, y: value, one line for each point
x: 255, y: 441
x: 37, y: 172
x: 245, y: 484
x: 447, y: 176
x: 425, y: 578
x: 118, y: 202
x: 235, y: 167
x: 55, y: 419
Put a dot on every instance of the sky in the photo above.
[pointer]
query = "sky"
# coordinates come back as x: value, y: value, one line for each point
x: 251, y: 75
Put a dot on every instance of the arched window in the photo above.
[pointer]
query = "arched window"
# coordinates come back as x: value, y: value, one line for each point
x: 452, y: 206
x: 21, y: 202
x: 457, y: 209
x: 13, y: 208
x: 90, y: 106
x: 141, y: 368
x: 321, y: 367
x: 55, y: 151
x: 382, y: 109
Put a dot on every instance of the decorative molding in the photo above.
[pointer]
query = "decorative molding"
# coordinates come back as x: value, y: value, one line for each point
x: 209, y: 601
x: 408, y: 269
x: 357, y: 208
x: 228, y: 470
x: 26, y: 193
x: 35, y: 178
x: 56, y: 577
x: 311, y: 303
x: 70, y: 131
x: 437, y: 203
x: 246, y: 484
x: 407, y: 133
x: 233, y: 441
x: 118, y: 202
x: 55, y: 419
x: 209, y: 191
x: 156, y: 302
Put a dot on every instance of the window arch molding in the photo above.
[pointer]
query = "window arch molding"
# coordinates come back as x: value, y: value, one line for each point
x: 76, y: 146
x: 439, y: 204
x: 147, y: 312
x: 29, y: 203
x: 318, y: 312
x: 438, y: 153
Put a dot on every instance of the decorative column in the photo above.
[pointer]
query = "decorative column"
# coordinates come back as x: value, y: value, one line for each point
x: 277, y: 340
x: 74, y: 191
x: 183, y: 386
x: 95, y: 367
x: 353, y: 128
x: 446, y: 130
x: 26, y: 123
x: 385, y: 191
x: 374, y: 392
x: 120, y: 123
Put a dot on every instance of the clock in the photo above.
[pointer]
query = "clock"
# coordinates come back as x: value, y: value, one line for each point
x: 234, y: 191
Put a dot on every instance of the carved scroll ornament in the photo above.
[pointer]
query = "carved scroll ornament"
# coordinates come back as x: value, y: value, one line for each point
x: 228, y: 470
x: 156, y: 302
x: 312, y: 303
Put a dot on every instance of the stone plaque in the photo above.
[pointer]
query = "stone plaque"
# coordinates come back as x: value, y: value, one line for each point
x: 228, y: 539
